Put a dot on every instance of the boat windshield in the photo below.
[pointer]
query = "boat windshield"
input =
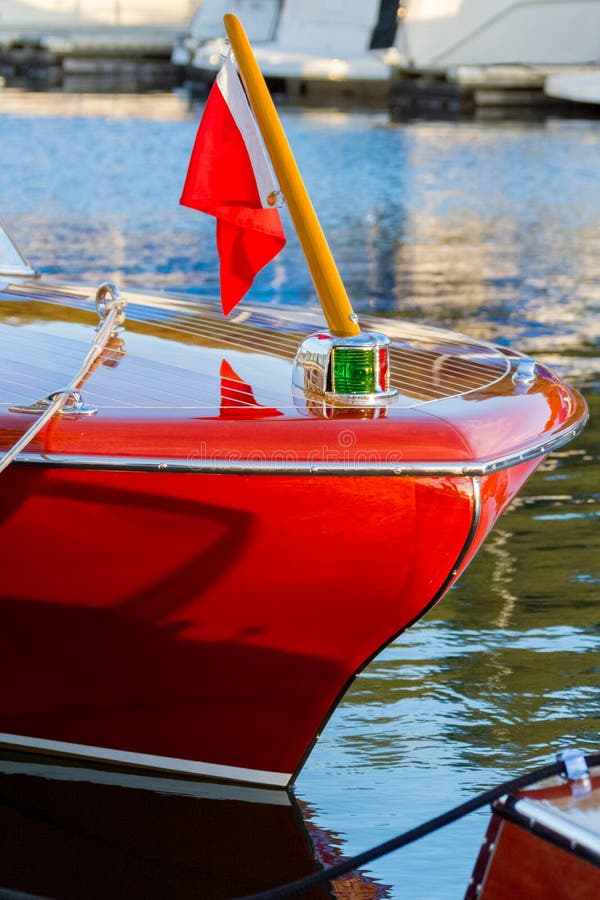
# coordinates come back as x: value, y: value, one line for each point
x: 12, y: 262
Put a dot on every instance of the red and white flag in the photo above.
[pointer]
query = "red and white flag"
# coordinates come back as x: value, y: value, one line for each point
x: 229, y: 178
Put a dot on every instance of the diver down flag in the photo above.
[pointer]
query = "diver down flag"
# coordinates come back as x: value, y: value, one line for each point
x: 229, y: 178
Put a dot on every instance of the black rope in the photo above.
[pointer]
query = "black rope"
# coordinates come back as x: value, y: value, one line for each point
x: 408, y: 837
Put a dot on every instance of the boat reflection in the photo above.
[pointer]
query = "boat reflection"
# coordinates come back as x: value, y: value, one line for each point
x: 71, y: 831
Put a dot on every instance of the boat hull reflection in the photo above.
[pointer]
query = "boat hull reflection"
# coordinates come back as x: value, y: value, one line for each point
x: 70, y: 832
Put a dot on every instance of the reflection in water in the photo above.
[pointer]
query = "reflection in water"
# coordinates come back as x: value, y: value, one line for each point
x: 118, y: 105
x: 93, y: 833
x: 72, y: 830
x: 502, y: 574
x: 490, y: 228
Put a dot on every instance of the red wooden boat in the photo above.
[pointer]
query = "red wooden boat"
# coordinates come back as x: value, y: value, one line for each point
x: 544, y: 842
x: 192, y: 576
x: 208, y: 527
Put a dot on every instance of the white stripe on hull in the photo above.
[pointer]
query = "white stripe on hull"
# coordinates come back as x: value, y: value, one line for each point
x: 147, y: 760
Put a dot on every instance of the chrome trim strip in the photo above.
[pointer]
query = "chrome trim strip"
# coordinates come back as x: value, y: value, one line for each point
x: 573, y: 834
x: 157, y: 784
x: 147, y: 760
x: 229, y: 465
x: 475, y: 520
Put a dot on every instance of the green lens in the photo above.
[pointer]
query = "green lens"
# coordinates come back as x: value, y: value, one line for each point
x: 353, y: 371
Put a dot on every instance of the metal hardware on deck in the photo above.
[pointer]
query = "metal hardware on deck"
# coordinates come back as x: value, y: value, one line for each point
x: 576, y: 771
x: 67, y: 401
x: 321, y: 409
x: 72, y: 404
x: 525, y: 371
x: 54, y: 407
x: 110, y: 316
x: 116, y: 302
x: 345, y: 371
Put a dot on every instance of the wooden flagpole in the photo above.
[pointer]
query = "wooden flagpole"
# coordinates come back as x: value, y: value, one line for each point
x: 341, y: 319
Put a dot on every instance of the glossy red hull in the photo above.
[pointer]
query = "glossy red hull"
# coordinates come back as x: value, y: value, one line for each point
x: 234, y: 634
x: 194, y: 589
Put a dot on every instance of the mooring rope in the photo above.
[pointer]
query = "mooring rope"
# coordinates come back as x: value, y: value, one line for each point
x: 413, y: 834
x: 68, y: 399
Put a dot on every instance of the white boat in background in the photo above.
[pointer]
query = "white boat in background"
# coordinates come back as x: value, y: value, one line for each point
x: 260, y: 19
x: 440, y: 34
x: 88, y: 27
x: 300, y: 44
x: 66, y: 14
x: 577, y: 87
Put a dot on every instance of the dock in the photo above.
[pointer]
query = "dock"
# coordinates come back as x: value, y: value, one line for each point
x: 45, y: 41
x: 481, y: 90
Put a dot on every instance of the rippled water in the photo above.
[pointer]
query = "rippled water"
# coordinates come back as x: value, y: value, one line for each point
x: 492, y: 228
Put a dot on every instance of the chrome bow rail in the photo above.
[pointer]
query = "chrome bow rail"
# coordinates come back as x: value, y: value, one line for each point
x: 67, y: 401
